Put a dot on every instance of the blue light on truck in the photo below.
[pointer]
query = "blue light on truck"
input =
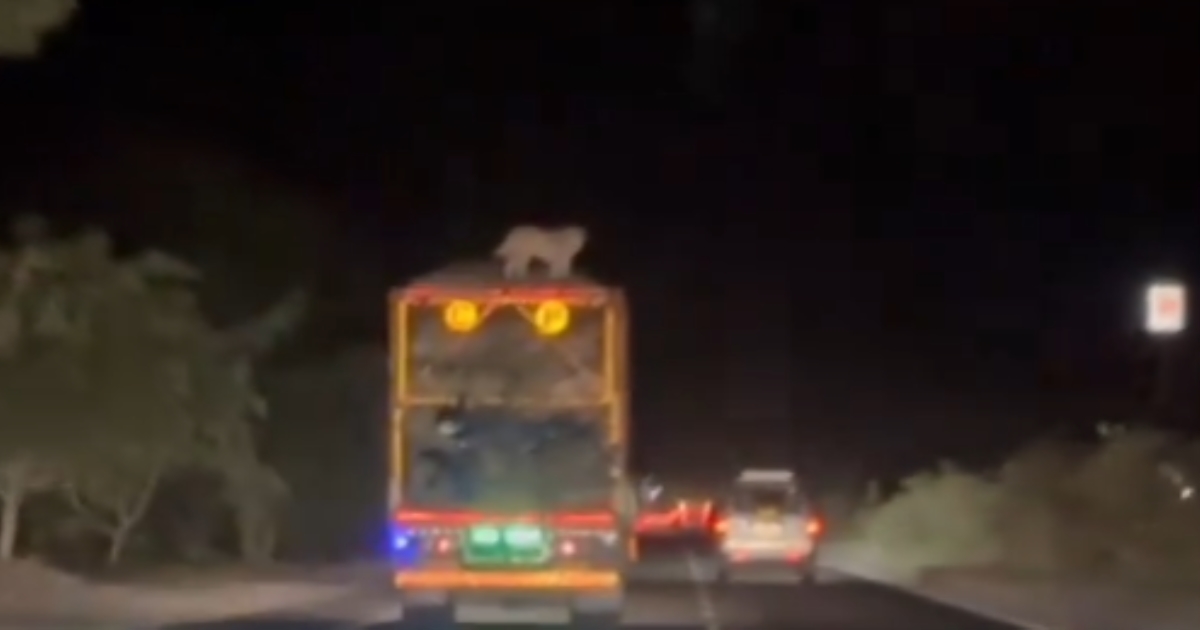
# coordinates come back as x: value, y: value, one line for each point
x: 406, y: 547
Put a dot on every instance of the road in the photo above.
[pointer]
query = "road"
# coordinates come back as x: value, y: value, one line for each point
x: 676, y: 591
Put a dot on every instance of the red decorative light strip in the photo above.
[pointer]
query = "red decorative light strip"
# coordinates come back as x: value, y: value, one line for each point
x: 431, y: 294
x: 460, y: 517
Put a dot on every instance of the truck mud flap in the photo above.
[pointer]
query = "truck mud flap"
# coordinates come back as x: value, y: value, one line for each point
x: 598, y: 612
x: 589, y: 620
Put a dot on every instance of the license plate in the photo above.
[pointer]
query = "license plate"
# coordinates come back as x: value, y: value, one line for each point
x: 768, y: 529
x: 517, y: 603
x: 505, y: 545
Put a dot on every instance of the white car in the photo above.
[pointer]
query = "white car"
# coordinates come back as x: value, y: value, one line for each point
x: 768, y: 523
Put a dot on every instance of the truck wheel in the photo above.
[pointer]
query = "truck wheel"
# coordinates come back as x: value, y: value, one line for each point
x: 431, y: 616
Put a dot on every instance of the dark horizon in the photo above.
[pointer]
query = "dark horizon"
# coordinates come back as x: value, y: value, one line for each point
x: 892, y: 235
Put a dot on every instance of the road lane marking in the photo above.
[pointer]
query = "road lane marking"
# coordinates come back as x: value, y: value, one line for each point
x: 704, y: 602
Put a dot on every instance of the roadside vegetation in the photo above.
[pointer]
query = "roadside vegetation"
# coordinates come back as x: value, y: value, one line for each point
x: 1122, y: 506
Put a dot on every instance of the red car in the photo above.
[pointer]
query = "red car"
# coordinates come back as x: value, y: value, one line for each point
x: 680, y: 517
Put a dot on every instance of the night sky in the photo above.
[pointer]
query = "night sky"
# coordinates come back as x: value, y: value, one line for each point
x: 868, y: 234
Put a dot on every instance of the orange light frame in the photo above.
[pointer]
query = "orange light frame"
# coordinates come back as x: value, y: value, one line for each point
x: 486, y: 301
x: 615, y: 375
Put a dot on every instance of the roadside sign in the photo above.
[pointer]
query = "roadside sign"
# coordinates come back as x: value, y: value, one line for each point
x: 1166, y: 308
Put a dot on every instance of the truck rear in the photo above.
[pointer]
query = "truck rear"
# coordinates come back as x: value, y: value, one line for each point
x: 509, y: 445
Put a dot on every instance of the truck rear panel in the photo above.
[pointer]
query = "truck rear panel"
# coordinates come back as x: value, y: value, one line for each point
x: 559, y: 349
x: 487, y: 552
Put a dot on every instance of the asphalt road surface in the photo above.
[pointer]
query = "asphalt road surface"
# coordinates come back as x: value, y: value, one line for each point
x: 675, y: 590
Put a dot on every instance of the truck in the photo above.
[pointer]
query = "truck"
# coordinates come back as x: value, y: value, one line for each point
x: 509, y: 483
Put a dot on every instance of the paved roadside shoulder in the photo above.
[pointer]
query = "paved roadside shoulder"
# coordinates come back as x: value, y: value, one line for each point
x: 1034, y: 604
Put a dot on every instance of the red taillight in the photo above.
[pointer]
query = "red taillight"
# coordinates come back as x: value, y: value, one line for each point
x: 652, y: 521
x: 721, y: 526
x: 815, y: 527
x: 417, y: 518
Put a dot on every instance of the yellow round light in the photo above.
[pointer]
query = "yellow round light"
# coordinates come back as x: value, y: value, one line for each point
x: 461, y: 316
x: 552, y: 317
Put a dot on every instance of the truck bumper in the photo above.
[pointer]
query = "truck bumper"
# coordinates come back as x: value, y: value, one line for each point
x: 581, y: 595
x: 570, y: 581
